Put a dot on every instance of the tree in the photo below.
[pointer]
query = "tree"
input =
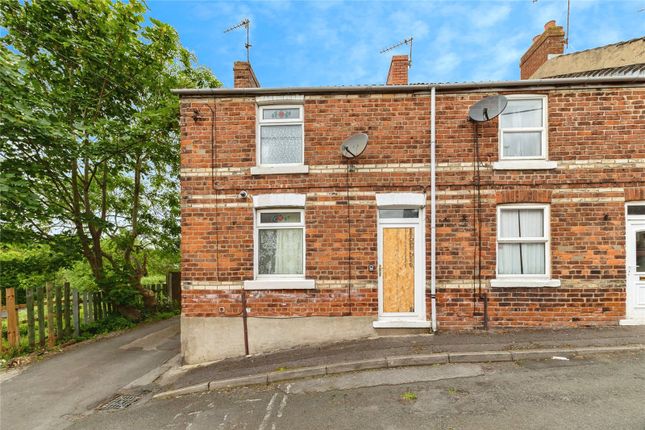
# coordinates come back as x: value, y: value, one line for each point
x: 89, y: 130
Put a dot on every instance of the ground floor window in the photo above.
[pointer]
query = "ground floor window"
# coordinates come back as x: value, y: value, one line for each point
x: 523, y: 240
x: 280, y: 243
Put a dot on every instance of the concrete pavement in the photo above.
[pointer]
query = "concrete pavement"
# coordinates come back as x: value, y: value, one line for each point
x: 393, y: 351
x: 54, y: 393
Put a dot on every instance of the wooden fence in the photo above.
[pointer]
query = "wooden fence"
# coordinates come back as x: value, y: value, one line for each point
x: 56, y: 313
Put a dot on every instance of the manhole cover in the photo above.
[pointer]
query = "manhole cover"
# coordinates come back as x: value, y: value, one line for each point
x: 120, y: 401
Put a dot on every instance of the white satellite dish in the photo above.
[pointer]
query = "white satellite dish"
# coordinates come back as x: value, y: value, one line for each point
x: 487, y: 108
x: 354, y: 145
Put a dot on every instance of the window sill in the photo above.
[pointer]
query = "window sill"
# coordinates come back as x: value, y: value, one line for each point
x: 280, y: 284
x: 525, y: 165
x: 401, y: 324
x: 519, y: 283
x: 279, y: 170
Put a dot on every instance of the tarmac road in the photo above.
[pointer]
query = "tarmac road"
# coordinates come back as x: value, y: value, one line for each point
x: 54, y: 393
x: 600, y: 392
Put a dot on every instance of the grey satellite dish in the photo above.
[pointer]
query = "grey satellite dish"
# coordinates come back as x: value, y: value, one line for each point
x: 354, y: 145
x: 487, y: 108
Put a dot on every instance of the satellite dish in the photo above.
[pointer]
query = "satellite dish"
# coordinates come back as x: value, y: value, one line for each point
x: 487, y: 108
x: 354, y: 145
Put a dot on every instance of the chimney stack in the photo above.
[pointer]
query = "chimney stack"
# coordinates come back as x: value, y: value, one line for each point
x: 549, y: 43
x: 243, y: 76
x: 398, y: 74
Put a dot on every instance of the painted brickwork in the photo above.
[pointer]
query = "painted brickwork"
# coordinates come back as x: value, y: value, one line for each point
x: 597, y: 135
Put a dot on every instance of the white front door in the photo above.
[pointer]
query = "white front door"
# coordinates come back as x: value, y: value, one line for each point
x: 635, y: 307
x: 401, y: 268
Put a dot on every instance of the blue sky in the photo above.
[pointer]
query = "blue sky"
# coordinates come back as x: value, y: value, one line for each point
x: 298, y: 43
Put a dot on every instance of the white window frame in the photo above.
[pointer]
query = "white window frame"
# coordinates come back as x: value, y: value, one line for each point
x: 525, y: 280
x: 283, y: 167
x: 544, y: 130
x: 258, y: 225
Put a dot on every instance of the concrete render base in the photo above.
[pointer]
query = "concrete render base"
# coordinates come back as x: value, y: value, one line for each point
x: 205, y: 339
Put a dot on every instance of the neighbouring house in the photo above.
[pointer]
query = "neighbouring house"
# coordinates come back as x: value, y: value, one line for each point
x: 533, y: 219
x: 546, y: 59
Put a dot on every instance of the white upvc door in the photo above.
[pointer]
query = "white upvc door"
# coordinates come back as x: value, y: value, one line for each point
x: 635, y: 253
x: 401, y: 272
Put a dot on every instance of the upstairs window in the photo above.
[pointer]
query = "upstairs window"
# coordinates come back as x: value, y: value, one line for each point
x: 522, y: 133
x: 280, y: 135
x: 522, y: 241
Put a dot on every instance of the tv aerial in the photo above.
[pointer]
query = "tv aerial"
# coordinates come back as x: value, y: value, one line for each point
x: 487, y: 108
x: 246, y: 23
x: 354, y: 145
x: 408, y: 42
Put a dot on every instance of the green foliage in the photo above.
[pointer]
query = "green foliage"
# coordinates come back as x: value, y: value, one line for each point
x: 106, y: 325
x: 79, y: 276
x: 408, y: 396
x: 89, y: 151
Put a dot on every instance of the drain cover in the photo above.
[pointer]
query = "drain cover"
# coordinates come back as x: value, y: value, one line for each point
x: 120, y: 401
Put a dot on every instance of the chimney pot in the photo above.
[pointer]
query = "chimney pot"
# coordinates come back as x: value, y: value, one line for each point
x: 549, y: 24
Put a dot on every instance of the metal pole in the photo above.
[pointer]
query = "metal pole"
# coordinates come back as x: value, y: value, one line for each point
x: 246, y: 329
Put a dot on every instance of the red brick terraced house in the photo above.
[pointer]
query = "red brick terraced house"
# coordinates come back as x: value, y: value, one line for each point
x: 533, y: 219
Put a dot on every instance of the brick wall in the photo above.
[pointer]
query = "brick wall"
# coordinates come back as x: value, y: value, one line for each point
x: 243, y: 75
x: 398, y: 73
x: 548, y: 43
x: 597, y: 135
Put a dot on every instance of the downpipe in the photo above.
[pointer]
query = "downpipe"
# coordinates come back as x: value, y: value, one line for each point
x: 433, y: 212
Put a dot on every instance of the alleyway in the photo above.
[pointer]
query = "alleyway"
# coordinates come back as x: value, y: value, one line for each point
x: 56, y: 392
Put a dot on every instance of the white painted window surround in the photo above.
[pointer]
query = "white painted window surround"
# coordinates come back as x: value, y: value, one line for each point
x: 401, y: 199
x: 525, y: 165
x: 279, y: 203
x: 530, y: 229
x: 523, y: 130
x: 286, y: 200
x: 520, y: 283
x: 280, y: 284
x: 279, y: 100
x: 282, y: 136
x: 279, y: 170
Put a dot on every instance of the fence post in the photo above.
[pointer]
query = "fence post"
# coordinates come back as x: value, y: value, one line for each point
x: 68, y: 327
x: 1, y: 345
x: 86, y: 315
x: 51, y: 330
x: 75, y: 313
x: 95, y: 305
x: 31, y: 325
x: 90, y: 306
x: 12, y: 318
x: 41, y: 316
x: 59, y: 311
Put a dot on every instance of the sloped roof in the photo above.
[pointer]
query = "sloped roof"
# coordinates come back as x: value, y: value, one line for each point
x: 610, y: 58
x: 631, y: 70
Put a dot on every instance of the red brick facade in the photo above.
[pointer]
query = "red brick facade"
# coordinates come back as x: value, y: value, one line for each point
x: 595, y: 134
x: 551, y: 42
x: 398, y: 73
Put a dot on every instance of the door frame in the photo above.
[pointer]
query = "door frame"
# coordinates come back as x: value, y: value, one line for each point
x: 633, y: 223
x: 416, y: 319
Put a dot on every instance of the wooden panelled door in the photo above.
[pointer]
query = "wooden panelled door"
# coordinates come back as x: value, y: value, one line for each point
x: 398, y: 264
